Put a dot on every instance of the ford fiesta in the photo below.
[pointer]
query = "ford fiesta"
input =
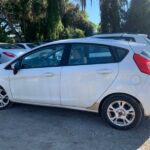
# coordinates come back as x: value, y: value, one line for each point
x: 105, y: 76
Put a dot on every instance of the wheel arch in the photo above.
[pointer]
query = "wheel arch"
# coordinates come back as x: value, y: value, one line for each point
x: 116, y: 94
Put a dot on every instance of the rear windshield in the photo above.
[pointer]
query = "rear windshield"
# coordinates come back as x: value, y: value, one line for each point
x: 9, y: 46
x: 129, y: 39
x: 147, y: 40
x: 32, y: 45
x: 21, y: 46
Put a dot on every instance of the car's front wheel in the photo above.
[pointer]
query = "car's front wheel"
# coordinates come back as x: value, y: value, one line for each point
x: 4, y: 99
x: 122, y: 111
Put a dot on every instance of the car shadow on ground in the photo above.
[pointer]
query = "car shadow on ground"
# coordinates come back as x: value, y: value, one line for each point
x: 34, y: 127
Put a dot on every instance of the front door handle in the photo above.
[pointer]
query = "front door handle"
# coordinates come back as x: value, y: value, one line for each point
x: 104, y: 71
x: 48, y: 74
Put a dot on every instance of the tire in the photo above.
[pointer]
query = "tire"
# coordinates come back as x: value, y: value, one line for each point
x: 4, y: 100
x: 122, y: 112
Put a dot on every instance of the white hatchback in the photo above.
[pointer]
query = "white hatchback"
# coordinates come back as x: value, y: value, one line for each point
x: 109, y: 77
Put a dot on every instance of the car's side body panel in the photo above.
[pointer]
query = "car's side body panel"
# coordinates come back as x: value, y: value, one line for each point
x: 129, y: 82
x: 40, y: 85
x: 81, y: 86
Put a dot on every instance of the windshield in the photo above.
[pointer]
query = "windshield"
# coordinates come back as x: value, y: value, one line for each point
x: 9, y: 46
x: 32, y: 45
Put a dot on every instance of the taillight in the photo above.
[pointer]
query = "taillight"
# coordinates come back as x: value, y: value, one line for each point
x: 142, y: 63
x: 9, y: 54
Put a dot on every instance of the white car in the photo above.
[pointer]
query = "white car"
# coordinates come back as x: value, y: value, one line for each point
x: 9, y: 52
x: 27, y: 46
x: 139, y: 38
x: 109, y: 77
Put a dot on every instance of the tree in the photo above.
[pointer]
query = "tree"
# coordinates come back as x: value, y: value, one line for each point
x: 3, y: 35
x: 54, y: 10
x: 37, y: 20
x: 111, y: 14
x: 28, y: 14
x: 7, y: 18
x: 71, y: 33
x: 138, y: 17
x: 75, y: 18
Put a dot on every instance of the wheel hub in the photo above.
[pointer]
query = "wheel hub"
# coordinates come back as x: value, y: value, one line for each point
x: 121, y: 113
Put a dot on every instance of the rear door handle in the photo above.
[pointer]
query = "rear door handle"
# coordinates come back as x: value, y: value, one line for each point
x: 104, y: 71
x: 48, y: 74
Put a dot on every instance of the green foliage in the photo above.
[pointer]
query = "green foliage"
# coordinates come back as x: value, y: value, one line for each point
x: 38, y: 20
x: 113, y: 13
x: 54, y: 18
x: 3, y: 36
x: 99, y: 28
x: 75, y: 18
x: 71, y: 33
x: 138, y: 17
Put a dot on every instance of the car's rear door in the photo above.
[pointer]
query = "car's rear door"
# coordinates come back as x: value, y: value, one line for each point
x: 90, y: 71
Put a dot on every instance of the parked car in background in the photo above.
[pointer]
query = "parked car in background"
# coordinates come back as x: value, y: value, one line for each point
x: 108, y: 77
x: 139, y: 38
x: 9, y: 51
x: 27, y: 46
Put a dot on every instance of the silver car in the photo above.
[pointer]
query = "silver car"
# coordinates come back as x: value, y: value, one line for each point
x: 27, y: 46
x: 9, y: 51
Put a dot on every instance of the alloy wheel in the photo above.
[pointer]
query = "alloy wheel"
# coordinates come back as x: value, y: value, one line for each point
x: 121, y: 113
x: 4, y: 100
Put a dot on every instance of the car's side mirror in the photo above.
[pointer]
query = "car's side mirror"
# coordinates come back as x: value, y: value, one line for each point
x: 15, y: 67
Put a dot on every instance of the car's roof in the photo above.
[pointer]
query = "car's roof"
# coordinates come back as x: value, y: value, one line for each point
x: 92, y: 40
x: 120, y: 34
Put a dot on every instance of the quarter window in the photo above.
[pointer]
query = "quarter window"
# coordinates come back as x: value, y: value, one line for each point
x: 49, y: 56
x: 90, y: 54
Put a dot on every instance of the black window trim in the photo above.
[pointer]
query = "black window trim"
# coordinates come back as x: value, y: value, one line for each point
x: 66, y: 55
x: 95, y: 44
x: 8, y: 67
x: 114, y: 48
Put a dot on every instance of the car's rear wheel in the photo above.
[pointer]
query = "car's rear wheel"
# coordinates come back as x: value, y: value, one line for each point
x: 4, y: 99
x: 122, y: 111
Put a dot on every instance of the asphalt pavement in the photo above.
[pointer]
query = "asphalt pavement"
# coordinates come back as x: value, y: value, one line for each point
x: 27, y: 127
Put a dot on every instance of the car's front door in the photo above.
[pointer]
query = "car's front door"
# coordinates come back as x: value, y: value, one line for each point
x: 91, y: 70
x: 38, y: 80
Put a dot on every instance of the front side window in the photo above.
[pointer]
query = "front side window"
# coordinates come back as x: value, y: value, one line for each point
x: 49, y: 56
x: 82, y: 54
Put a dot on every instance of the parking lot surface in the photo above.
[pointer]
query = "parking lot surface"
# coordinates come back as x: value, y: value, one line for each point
x: 26, y: 127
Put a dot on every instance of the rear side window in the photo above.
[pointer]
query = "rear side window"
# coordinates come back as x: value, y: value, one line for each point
x: 82, y: 54
x: 120, y: 53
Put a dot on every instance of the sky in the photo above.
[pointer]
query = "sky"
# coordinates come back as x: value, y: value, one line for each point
x: 92, y: 11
